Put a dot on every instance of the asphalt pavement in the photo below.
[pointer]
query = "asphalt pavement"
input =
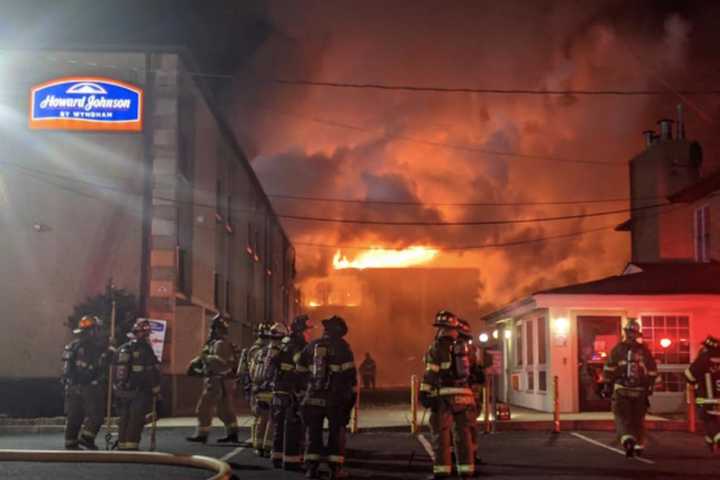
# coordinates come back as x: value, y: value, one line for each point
x: 395, y: 456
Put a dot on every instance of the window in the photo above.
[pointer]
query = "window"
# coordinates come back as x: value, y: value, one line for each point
x: 670, y: 382
x: 228, y: 296
x: 531, y: 380
x: 674, y: 328
x: 542, y: 381
x: 702, y: 234
x: 518, y: 344
x: 530, y: 343
x: 542, y: 339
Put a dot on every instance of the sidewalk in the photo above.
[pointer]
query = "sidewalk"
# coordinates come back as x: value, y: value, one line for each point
x: 395, y: 418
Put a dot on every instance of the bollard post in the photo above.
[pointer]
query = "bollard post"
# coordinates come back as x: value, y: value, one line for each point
x: 691, y: 408
x: 356, y: 412
x: 413, y: 404
x: 486, y: 403
x: 556, y: 407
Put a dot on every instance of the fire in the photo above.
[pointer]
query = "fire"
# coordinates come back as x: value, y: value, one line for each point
x: 386, y: 258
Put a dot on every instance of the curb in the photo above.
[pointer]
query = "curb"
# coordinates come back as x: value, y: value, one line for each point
x: 222, y: 469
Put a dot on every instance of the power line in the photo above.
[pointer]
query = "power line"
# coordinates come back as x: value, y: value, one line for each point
x: 432, y: 143
x: 491, y: 91
x: 345, y: 220
x: 468, y: 223
x: 371, y: 201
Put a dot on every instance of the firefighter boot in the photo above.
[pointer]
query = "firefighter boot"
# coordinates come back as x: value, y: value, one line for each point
x: 629, y: 446
x: 229, y: 438
x: 311, y: 471
x: 88, y: 443
x: 198, y: 438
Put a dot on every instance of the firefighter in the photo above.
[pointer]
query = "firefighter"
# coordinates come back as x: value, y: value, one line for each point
x: 244, y: 376
x: 85, y: 365
x: 287, y: 386
x: 368, y: 371
x: 446, y: 391
x: 629, y: 378
x: 704, y: 375
x: 137, y: 384
x: 262, y: 389
x: 476, y: 380
x: 329, y: 365
x: 219, y: 360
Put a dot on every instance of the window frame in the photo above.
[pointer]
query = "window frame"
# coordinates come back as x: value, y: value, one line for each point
x: 701, y: 230
x: 665, y: 367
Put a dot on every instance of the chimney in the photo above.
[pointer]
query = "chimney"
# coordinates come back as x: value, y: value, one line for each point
x: 680, y: 123
x: 665, y: 129
x: 649, y: 137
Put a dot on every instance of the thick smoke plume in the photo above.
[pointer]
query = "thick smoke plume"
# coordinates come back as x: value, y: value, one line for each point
x: 303, y: 143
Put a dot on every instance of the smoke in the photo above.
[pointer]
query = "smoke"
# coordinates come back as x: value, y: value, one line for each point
x: 305, y: 140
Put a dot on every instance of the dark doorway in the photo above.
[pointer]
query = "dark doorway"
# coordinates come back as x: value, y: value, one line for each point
x: 596, y: 338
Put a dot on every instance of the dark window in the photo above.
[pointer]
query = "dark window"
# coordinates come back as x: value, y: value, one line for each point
x: 542, y: 381
x: 542, y: 339
x: 530, y: 343
x: 216, y: 290
x: 518, y: 344
x: 531, y: 380
x: 676, y: 329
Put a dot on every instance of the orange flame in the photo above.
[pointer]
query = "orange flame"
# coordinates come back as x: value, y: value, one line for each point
x: 384, y: 258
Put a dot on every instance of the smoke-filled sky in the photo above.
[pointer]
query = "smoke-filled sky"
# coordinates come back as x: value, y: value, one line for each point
x: 481, y: 44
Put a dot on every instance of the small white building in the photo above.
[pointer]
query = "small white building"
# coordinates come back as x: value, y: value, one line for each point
x: 671, y: 285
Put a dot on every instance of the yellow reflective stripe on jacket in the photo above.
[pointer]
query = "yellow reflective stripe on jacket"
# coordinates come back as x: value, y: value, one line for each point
x: 466, y: 468
x: 336, y: 459
x: 426, y: 387
x: 445, y: 365
x: 286, y: 367
x: 707, y: 401
x: 441, y: 469
x: 432, y: 367
x: 316, y: 402
x: 302, y: 369
x: 347, y: 366
x: 608, y: 368
x: 652, y: 373
x: 455, y: 391
x: 137, y: 368
x: 689, y: 376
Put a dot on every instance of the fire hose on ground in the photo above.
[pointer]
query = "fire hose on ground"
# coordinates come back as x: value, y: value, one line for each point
x: 222, y: 469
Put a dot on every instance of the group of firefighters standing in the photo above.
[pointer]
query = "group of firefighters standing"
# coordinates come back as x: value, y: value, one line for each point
x: 294, y: 385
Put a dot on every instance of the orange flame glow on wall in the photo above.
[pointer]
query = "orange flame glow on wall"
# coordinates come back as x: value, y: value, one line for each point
x: 385, y: 258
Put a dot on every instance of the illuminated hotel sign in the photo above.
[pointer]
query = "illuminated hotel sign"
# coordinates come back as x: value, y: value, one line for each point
x: 86, y: 103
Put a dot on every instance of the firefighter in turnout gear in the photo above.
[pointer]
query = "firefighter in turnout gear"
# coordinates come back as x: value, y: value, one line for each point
x: 137, y: 384
x: 476, y: 380
x: 287, y: 386
x: 446, y: 391
x: 262, y: 389
x: 704, y: 375
x: 244, y: 377
x: 629, y: 377
x: 85, y: 365
x: 329, y: 366
x: 219, y: 362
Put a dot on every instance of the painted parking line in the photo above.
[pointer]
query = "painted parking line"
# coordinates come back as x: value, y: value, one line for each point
x: 231, y: 454
x: 426, y: 445
x: 608, y: 447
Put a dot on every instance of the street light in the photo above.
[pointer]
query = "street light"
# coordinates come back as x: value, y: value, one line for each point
x: 484, y: 337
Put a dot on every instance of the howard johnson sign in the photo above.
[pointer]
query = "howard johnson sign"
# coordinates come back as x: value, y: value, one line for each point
x: 86, y: 103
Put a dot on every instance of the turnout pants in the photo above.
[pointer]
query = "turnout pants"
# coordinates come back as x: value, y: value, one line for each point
x: 84, y: 407
x: 338, y: 417
x: 710, y: 417
x: 217, y: 393
x: 262, y: 424
x: 629, y: 408
x: 287, y: 431
x: 453, y: 414
x: 133, y: 408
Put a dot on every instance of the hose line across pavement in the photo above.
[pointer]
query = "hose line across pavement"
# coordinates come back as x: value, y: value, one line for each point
x: 222, y: 469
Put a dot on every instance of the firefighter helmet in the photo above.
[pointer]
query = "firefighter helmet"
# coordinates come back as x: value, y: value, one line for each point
x: 141, y: 328
x: 632, y: 329
x: 301, y: 323
x: 447, y: 319
x: 335, y: 326
x: 220, y: 323
x: 86, y: 324
x: 277, y: 330
x: 711, y: 343
x: 464, y: 329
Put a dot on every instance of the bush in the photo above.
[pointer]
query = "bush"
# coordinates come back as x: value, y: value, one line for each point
x: 126, y: 311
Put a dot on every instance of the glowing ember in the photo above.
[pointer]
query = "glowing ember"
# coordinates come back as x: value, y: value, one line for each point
x: 383, y: 258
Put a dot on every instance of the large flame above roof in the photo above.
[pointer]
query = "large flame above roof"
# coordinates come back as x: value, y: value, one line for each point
x: 385, y: 258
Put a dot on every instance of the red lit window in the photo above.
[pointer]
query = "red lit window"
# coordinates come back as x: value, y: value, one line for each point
x: 655, y: 328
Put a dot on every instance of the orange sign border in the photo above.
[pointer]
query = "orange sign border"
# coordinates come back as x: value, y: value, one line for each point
x: 87, y: 125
